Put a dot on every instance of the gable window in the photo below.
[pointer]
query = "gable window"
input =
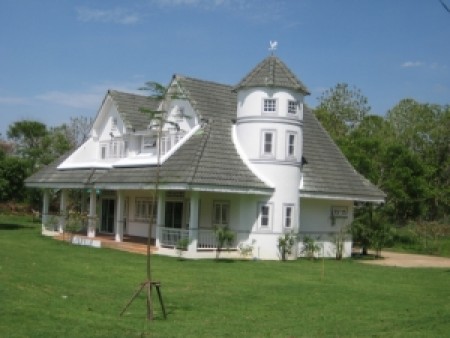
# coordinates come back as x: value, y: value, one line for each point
x: 143, y: 209
x: 268, y: 143
x: 221, y: 213
x: 292, y: 107
x: 290, y: 144
x: 179, y: 116
x: 288, y: 213
x: 114, y: 123
x: 270, y: 106
x: 265, y: 215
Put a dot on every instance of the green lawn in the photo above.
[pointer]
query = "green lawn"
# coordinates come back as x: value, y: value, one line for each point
x: 53, y: 289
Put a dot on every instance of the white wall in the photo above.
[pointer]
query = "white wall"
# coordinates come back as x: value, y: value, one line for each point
x: 317, y: 223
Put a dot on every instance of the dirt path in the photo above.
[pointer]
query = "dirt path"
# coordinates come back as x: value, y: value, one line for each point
x: 404, y: 260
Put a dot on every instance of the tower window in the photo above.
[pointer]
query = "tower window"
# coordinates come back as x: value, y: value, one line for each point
x: 270, y: 106
x: 291, y: 140
x: 268, y: 143
x: 292, y: 107
x: 288, y: 213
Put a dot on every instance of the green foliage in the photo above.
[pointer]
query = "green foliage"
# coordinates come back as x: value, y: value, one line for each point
x: 74, y: 291
x: 370, y: 229
x: 13, y: 171
x: 182, y: 246
x: 224, y: 238
x: 310, y: 248
x: 285, y: 244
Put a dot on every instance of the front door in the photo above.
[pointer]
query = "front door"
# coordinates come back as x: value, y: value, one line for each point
x: 107, y: 223
x: 174, y: 215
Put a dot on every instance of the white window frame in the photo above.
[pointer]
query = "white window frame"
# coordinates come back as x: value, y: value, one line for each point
x: 272, y: 153
x: 142, y: 209
x: 265, y: 218
x: 288, y: 215
x: 223, y: 219
x: 291, y: 148
x: 292, y: 108
x: 270, y: 106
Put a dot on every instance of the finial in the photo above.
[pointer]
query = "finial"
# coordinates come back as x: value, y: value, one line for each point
x: 273, y: 46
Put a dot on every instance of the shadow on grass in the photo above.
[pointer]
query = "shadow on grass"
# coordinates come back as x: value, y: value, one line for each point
x: 13, y: 226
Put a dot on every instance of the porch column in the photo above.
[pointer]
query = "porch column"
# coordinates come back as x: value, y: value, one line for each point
x: 193, y: 222
x: 62, y: 210
x: 45, y: 206
x: 160, y: 217
x: 92, y: 218
x: 119, y: 216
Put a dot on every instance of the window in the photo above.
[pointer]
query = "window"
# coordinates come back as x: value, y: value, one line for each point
x: 114, y: 123
x: 268, y: 143
x: 179, y: 116
x: 290, y: 140
x: 288, y: 213
x: 221, y: 213
x: 265, y: 217
x: 148, y: 142
x: 103, y: 150
x: 292, y: 107
x: 270, y: 106
x: 143, y: 209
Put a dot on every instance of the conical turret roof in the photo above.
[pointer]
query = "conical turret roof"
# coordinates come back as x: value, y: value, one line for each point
x: 272, y: 72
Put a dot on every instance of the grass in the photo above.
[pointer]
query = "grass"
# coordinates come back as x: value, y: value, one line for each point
x: 52, y: 289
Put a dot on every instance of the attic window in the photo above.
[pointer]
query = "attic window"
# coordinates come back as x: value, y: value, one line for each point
x: 179, y: 114
x: 270, y: 106
x: 114, y: 123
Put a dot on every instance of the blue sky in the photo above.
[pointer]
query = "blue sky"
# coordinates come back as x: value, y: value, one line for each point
x: 58, y: 58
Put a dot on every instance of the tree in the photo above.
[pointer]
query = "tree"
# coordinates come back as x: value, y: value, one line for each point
x: 158, y: 119
x: 12, y: 175
x: 38, y: 145
x: 341, y: 109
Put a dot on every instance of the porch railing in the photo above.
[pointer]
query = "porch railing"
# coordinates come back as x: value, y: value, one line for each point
x: 171, y: 237
x: 206, y: 238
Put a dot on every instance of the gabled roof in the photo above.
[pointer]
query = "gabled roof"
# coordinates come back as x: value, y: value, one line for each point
x: 129, y: 107
x: 209, y: 158
x: 272, y: 72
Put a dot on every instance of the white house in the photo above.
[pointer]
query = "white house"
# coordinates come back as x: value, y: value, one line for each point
x: 250, y: 157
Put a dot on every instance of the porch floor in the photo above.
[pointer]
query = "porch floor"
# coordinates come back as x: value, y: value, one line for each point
x: 133, y: 244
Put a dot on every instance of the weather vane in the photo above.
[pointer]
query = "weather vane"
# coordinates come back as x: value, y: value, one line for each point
x: 273, y: 46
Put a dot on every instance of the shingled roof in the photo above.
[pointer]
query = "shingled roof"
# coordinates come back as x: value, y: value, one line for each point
x: 272, y: 72
x: 129, y: 107
x: 209, y: 159
x: 328, y: 171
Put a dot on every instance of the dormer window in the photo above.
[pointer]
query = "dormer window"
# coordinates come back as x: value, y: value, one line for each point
x: 179, y: 114
x: 148, y: 142
x: 270, y: 106
x: 292, y: 107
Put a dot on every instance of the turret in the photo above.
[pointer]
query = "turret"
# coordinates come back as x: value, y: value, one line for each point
x: 269, y: 131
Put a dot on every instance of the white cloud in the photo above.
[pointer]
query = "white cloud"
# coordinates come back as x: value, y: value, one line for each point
x: 115, y: 15
x: 411, y: 64
x: 12, y: 100
x: 89, y: 99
